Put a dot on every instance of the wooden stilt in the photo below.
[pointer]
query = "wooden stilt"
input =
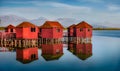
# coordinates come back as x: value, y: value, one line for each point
x: 19, y: 44
x: 15, y: 43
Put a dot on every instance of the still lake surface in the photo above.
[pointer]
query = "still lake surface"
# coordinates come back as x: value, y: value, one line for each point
x: 105, y: 57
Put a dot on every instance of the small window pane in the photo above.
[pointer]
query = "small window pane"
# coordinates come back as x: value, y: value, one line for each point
x: 81, y: 29
x: 11, y: 30
x: 33, y: 29
x: 6, y: 29
x: 58, y: 30
x: 88, y: 29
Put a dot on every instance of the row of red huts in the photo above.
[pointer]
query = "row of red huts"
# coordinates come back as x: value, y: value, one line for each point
x: 50, y: 29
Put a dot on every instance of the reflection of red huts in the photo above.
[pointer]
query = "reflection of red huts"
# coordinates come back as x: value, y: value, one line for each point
x: 83, y: 51
x: 27, y: 55
x: 81, y: 30
x: 83, y: 48
x: 26, y: 30
x: 52, y: 51
x: 51, y: 30
x: 70, y: 47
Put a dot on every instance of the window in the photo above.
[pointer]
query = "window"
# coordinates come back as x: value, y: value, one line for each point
x: 33, y: 29
x: 88, y: 29
x: 11, y: 30
x: 58, y: 30
x: 81, y: 29
x: 6, y: 29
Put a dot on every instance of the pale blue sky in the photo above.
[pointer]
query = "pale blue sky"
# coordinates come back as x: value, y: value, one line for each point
x: 97, y: 11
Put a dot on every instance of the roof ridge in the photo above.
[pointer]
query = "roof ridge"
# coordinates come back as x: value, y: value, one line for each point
x: 26, y: 24
x: 10, y: 26
x: 72, y: 25
x: 83, y: 24
x: 51, y: 24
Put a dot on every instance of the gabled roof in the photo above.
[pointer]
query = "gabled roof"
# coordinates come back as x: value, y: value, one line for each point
x: 10, y: 26
x: 83, y: 24
x: 26, y: 24
x: 39, y: 26
x: 51, y: 24
x: 71, y: 26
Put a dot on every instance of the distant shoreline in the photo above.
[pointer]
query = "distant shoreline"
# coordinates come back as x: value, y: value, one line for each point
x: 102, y: 28
x: 106, y: 28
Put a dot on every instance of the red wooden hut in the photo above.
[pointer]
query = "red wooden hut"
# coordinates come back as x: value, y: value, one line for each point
x: 26, y: 30
x: 27, y: 55
x: 52, y: 51
x: 82, y: 31
x: 10, y: 29
x: 51, y: 30
x: 10, y: 32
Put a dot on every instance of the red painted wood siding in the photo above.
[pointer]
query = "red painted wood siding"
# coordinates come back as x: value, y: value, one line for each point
x: 25, y: 54
x: 51, y: 49
x: 26, y: 33
x: 9, y: 30
x: 6, y: 35
x: 51, y: 33
x: 83, y: 48
x: 19, y: 33
x: 84, y: 34
x: 47, y: 33
x: 57, y: 34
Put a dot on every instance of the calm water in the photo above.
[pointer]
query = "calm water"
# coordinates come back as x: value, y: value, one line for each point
x: 105, y: 57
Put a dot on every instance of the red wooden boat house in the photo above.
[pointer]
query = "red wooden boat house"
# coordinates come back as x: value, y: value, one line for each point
x: 10, y: 32
x: 82, y: 32
x: 51, y: 31
x: 27, y: 32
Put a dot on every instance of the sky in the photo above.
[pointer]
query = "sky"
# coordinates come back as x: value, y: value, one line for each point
x: 94, y: 11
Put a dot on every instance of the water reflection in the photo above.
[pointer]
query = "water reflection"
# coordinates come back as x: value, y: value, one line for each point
x: 52, y: 51
x: 7, y: 49
x: 110, y: 33
x: 27, y: 55
x: 81, y: 50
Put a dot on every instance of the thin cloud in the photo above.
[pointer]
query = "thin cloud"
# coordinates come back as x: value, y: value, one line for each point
x: 113, y: 7
x: 92, y: 1
x: 64, y: 6
x: 51, y: 4
x: 69, y: 6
